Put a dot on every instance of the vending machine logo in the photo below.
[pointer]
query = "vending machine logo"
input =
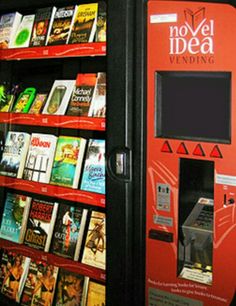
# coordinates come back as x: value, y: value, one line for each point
x: 192, y: 41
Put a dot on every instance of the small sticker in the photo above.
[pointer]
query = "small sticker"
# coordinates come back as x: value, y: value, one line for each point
x: 163, y: 18
x: 161, y: 220
x: 226, y: 179
x: 163, y: 197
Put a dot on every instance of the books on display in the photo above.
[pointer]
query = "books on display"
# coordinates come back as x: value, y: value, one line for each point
x: 59, y: 97
x: 24, y: 101
x: 39, y: 160
x: 40, y: 224
x: 96, y: 294
x: 84, y: 23
x: 14, y: 217
x: 101, y: 22
x: 93, y: 175
x: 98, y: 105
x: 94, y: 252
x: 38, y: 103
x: 14, y: 154
x: 68, y: 161
x: 68, y: 231
x: 23, y: 33
x: 9, y: 23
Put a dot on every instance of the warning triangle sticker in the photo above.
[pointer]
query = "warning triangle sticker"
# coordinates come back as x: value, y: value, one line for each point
x: 166, y: 148
x: 216, y: 152
x: 198, y: 151
x: 182, y: 149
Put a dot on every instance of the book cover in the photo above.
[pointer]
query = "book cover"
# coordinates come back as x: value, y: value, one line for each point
x: 71, y: 289
x: 94, y: 253
x: 68, y: 231
x: 98, y: 105
x: 68, y: 161
x: 6, y: 97
x: 9, y: 23
x: 101, y: 22
x: 61, y: 25
x: 14, y: 272
x: 23, y: 33
x: 93, y: 175
x: 40, y: 284
x: 81, y: 98
x: 14, y: 217
x: 39, y: 160
x: 41, y: 220
x: 84, y: 23
x: 41, y: 26
x: 24, y: 101
x: 38, y: 103
x: 59, y: 97
x: 14, y: 154
x: 96, y: 294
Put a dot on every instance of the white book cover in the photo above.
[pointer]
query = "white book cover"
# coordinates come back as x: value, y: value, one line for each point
x: 14, y: 154
x: 59, y: 97
x: 98, y: 104
x: 23, y: 33
x: 9, y: 23
x: 40, y: 157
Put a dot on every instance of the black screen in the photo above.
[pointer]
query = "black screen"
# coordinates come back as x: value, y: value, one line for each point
x: 193, y: 105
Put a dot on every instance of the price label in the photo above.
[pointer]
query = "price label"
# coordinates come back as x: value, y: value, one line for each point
x: 45, y: 120
x: 44, y: 189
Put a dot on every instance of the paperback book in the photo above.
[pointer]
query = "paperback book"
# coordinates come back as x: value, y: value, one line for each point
x: 101, y: 22
x: 59, y: 97
x: 14, y: 217
x: 14, y: 272
x: 23, y: 33
x: 40, y: 224
x: 6, y: 97
x: 84, y: 23
x: 59, y: 32
x: 14, y: 154
x: 93, y: 176
x: 98, y: 105
x: 9, y: 23
x: 42, y: 24
x: 68, y: 231
x: 94, y: 253
x: 71, y: 289
x: 68, y: 161
x: 40, y: 284
x: 40, y: 157
x: 96, y: 294
x: 38, y: 103
x: 24, y: 101
x: 81, y: 98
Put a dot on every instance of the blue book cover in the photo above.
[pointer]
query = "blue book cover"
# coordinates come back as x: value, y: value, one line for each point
x: 14, y: 217
x: 93, y: 178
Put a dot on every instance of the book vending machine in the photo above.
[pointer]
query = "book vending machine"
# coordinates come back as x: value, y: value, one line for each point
x: 191, y: 147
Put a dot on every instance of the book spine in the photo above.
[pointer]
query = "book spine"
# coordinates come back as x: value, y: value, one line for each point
x: 24, y: 220
x: 23, y: 279
x: 80, y: 235
x: 23, y: 156
x: 52, y: 223
x: 72, y: 23
x: 94, y: 28
x: 85, y: 291
x: 50, y: 24
x: 79, y: 163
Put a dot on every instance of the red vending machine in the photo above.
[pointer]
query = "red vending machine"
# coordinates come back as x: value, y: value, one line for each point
x: 191, y: 149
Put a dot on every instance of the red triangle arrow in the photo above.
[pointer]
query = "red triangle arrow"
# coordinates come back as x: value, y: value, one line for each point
x: 182, y: 149
x: 198, y: 151
x: 166, y: 148
x: 216, y: 152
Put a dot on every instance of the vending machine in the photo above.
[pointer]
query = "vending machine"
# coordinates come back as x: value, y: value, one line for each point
x: 191, y: 149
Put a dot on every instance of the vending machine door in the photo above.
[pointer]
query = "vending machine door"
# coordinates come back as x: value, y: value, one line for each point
x: 191, y: 147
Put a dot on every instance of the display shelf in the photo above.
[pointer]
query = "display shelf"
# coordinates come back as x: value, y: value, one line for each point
x: 65, y: 193
x: 58, y: 261
x: 58, y: 121
x: 75, y: 50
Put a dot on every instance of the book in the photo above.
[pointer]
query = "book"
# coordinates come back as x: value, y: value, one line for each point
x: 94, y: 252
x: 42, y: 24
x: 38, y: 103
x: 84, y: 23
x: 98, y: 104
x: 68, y: 161
x: 59, y: 97
x: 24, y: 100
x: 96, y: 294
x: 9, y: 23
x: 61, y: 25
x: 81, y: 98
x: 93, y: 175
x: 71, y: 289
x: 40, y: 284
x: 39, y: 160
x: 14, y: 154
x: 14, y: 268
x: 68, y: 231
x: 6, y: 97
x: 101, y: 22
x: 23, y: 33
x: 41, y: 220
x: 14, y: 217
